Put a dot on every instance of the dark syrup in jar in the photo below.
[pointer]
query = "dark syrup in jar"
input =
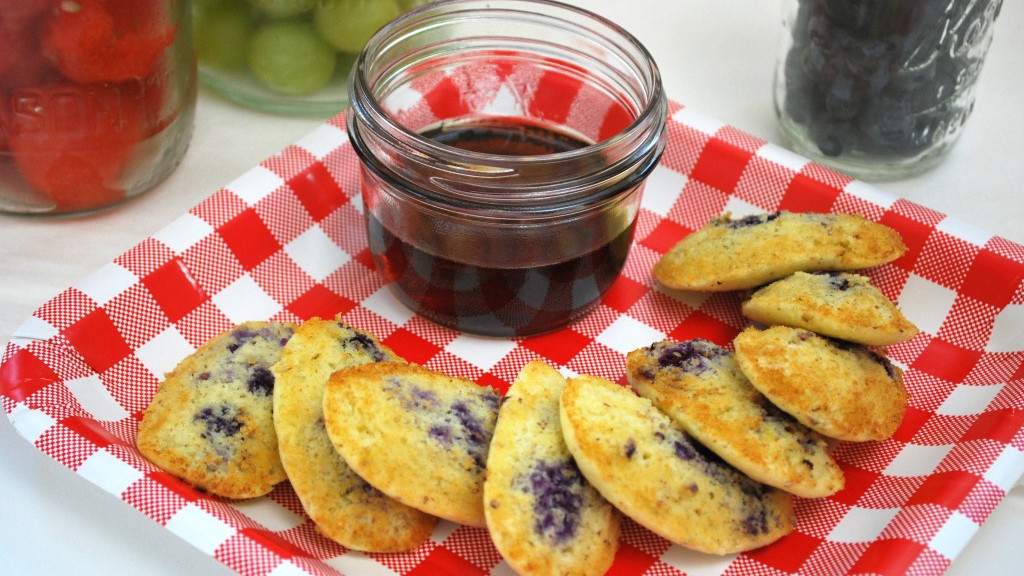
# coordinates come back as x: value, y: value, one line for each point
x: 499, y: 301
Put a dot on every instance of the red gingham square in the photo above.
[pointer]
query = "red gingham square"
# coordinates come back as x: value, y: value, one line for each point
x: 888, y: 557
x: 174, y: 289
x: 914, y: 419
x: 319, y: 193
x: 947, y: 489
x: 96, y: 338
x: 805, y: 194
x: 787, y: 554
x: 558, y: 347
x: 857, y: 484
x: 249, y: 239
x: 90, y: 430
x: 23, y: 374
x: 947, y: 459
x: 702, y: 325
x: 554, y: 95
x: 624, y: 293
x: 664, y: 236
x: 319, y: 302
x: 998, y: 425
x: 947, y: 361
x: 212, y: 264
x: 630, y: 561
x: 993, y: 279
x: 443, y: 561
x: 417, y: 350
x: 615, y: 120
x: 284, y: 215
x: 721, y: 164
x: 682, y: 159
x: 143, y: 259
x: 915, y: 235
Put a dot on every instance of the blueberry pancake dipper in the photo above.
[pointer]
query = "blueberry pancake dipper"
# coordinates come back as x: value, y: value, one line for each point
x: 210, y: 422
x: 842, y: 390
x: 660, y: 477
x: 344, y: 507
x: 543, y: 515
x: 417, y: 435
x: 730, y: 254
x: 835, y: 304
x: 700, y: 386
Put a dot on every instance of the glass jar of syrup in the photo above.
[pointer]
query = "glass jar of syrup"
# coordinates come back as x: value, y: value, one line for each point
x: 97, y: 99
x: 880, y: 88
x: 505, y: 146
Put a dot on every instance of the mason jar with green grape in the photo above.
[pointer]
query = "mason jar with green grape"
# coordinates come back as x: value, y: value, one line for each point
x: 286, y: 56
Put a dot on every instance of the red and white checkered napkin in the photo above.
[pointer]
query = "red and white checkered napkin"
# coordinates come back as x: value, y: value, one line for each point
x: 286, y: 241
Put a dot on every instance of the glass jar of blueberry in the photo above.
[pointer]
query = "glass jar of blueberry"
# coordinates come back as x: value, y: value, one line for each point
x: 880, y: 88
x: 286, y: 56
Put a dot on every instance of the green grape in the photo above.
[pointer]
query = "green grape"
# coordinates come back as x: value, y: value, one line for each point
x: 289, y: 57
x: 348, y: 24
x: 222, y: 32
x: 281, y: 9
x: 406, y: 5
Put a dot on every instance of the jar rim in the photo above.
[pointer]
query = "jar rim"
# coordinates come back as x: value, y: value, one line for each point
x: 643, y: 137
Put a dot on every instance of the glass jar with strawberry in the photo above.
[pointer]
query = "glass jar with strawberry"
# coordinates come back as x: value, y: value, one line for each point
x: 97, y: 99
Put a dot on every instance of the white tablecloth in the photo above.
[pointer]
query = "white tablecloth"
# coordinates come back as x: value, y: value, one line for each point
x: 716, y: 57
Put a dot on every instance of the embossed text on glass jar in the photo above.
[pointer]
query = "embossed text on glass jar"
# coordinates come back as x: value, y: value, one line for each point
x: 880, y: 89
x: 505, y: 145
x: 96, y: 101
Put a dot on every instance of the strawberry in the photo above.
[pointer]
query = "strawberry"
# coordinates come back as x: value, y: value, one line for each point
x: 72, y: 143
x: 21, y: 62
x: 94, y: 42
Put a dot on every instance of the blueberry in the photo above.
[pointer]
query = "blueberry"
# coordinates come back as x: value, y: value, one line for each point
x: 475, y: 433
x: 442, y: 434
x: 557, y: 489
x: 692, y: 357
x: 630, y: 448
x: 491, y: 399
x: 220, y: 421
x: 757, y: 521
x: 843, y: 99
x: 851, y: 14
x: 261, y: 382
x: 884, y: 362
x: 366, y: 343
x: 835, y: 280
x: 833, y: 136
x: 411, y: 396
x: 862, y: 57
x: 421, y: 397
x: 684, y: 450
x: 888, y: 123
x: 752, y: 220
x: 240, y: 337
x: 471, y: 430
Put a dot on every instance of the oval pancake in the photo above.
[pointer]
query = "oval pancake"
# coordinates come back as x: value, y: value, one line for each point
x: 342, y: 505
x: 730, y: 254
x: 657, y: 475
